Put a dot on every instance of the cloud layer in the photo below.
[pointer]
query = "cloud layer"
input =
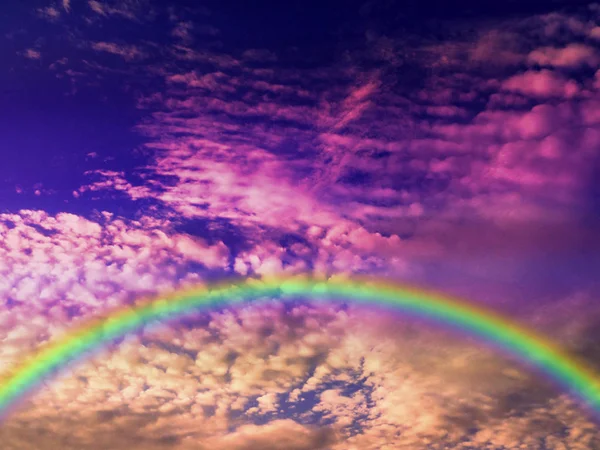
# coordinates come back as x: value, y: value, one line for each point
x: 464, y: 162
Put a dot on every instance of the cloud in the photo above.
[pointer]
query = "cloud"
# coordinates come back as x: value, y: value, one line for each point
x: 226, y: 378
x: 558, y: 25
x: 183, y: 31
x: 349, y: 109
x: 595, y: 33
x: 49, y: 13
x: 110, y: 182
x: 498, y: 47
x: 128, y: 52
x: 471, y: 182
x: 112, y: 251
x: 358, y: 151
x: 213, y: 82
x: 544, y: 83
x: 186, y: 383
x: 590, y: 111
x: 30, y: 53
x: 277, y: 435
x: 446, y: 111
x: 206, y: 132
x: 573, y: 56
x: 97, y: 7
x: 266, y: 403
x: 134, y: 10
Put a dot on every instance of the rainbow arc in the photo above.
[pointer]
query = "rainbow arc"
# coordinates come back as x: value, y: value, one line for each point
x: 530, y: 347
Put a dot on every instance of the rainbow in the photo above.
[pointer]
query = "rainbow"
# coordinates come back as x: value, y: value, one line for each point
x: 534, y: 349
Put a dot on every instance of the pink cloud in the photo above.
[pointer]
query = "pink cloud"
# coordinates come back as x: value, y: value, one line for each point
x: 114, y: 257
x: 112, y: 181
x: 182, y: 52
x: 31, y: 53
x: 446, y: 111
x: 214, y: 82
x: 590, y: 112
x: 595, y: 33
x: 97, y: 7
x: 500, y: 101
x: 183, y: 31
x: 50, y: 13
x: 131, y: 10
x: 498, y: 47
x: 228, y: 157
x: 537, y: 123
x: 128, y: 52
x: 356, y: 102
x: 544, y: 83
x: 572, y: 56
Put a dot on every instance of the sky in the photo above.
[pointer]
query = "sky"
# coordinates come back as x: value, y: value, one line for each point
x: 149, y: 146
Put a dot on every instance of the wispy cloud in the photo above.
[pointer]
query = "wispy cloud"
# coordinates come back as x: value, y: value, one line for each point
x: 134, y: 10
x: 127, y: 52
x: 50, y: 13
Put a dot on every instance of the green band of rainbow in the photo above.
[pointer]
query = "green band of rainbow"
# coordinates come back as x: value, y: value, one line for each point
x: 534, y: 349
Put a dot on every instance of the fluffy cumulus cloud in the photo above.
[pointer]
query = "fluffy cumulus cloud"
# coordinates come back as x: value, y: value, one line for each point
x: 541, y: 84
x: 572, y: 56
x: 473, y: 171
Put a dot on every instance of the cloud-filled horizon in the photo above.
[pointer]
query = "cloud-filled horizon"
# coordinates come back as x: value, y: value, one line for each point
x: 147, y: 146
